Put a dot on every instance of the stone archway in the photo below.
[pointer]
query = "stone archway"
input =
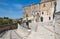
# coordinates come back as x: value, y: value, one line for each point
x: 41, y: 19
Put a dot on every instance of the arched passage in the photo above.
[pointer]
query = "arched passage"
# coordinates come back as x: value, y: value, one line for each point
x: 41, y: 19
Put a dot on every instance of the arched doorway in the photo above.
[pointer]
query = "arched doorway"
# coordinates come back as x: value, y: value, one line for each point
x: 41, y: 19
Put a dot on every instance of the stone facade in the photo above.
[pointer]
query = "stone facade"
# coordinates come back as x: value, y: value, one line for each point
x: 57, y: 24
x: 42, y: 12
x: 47, y: 0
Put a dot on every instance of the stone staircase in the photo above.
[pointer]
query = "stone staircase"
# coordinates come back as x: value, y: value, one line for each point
x: 23, y: 32
x: 42, y: 31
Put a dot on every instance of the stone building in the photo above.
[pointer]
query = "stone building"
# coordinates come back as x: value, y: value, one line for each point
x: 41, y: 12
x: 57, y: 24
x: 47, y: 0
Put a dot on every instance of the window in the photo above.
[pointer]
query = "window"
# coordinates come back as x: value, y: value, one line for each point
x: 35, y: 8
x: 42, y: 13
x: 26, y: 15
x: 37, y: 13
x: 55, y: 3
x: 44, y: 5
x: 49, y: 18
x: 41, y: 19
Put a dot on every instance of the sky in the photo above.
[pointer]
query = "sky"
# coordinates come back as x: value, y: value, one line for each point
x: 14, y: 8
x: 58, y: 6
